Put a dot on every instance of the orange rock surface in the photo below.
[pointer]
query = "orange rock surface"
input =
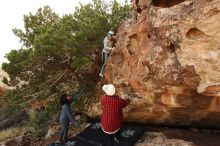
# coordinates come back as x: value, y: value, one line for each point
x: 168, y: 63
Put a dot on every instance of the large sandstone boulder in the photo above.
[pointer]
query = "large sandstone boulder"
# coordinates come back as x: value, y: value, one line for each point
x: 168, y: 63
x: 3, y: 87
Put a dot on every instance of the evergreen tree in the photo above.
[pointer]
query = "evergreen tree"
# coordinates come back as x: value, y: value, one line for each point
x: 56, y: 51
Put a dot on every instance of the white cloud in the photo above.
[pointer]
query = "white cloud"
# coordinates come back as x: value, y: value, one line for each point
x: 11, y: 16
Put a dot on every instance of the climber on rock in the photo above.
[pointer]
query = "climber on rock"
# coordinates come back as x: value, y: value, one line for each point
x: 67, y: 116
x: 108, y: 47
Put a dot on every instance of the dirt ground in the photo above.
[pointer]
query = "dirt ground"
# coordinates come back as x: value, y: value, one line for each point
x: 153, y: 136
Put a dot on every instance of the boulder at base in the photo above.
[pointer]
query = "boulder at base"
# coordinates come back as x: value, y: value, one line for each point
x: 168, y: 63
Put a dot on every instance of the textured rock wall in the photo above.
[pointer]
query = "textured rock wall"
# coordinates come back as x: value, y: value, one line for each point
x: 3, y: 87
x: 168, y: 63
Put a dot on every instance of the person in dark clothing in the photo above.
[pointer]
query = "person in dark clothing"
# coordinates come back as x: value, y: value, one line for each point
x: 112, y: 116
x: 67, y: 116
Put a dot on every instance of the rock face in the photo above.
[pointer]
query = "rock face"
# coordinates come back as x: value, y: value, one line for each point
x: 168, y: 63
x: 3, y: 87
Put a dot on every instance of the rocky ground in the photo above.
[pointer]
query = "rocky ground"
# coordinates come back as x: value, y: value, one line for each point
x: 179, y: 137
x: 153, y: 136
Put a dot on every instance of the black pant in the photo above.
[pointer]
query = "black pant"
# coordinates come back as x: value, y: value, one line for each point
x: 110, y: 137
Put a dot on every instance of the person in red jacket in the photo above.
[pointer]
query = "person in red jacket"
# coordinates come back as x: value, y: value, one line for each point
x: 112, y: 116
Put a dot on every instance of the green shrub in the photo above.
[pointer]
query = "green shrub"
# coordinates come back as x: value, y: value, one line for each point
x: 5, y: 80
x: 12, y: 100
x: 39, y: 120
x: 81, y: 62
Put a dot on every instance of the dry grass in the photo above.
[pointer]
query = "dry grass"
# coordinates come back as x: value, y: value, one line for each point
x: 11, y: 132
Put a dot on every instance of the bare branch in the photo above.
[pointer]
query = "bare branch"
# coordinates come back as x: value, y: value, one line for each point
x: 59, y: 77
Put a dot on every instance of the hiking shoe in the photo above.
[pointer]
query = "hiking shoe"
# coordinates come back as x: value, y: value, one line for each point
x: 101, y: 75
x: 117, y: 141
x: 58, y: 143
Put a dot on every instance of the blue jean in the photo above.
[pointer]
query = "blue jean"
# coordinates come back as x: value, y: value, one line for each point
x: 64, y: 131
x: 104, y: 61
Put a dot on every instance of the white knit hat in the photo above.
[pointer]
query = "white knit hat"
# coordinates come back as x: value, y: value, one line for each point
x: 109, y: 89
